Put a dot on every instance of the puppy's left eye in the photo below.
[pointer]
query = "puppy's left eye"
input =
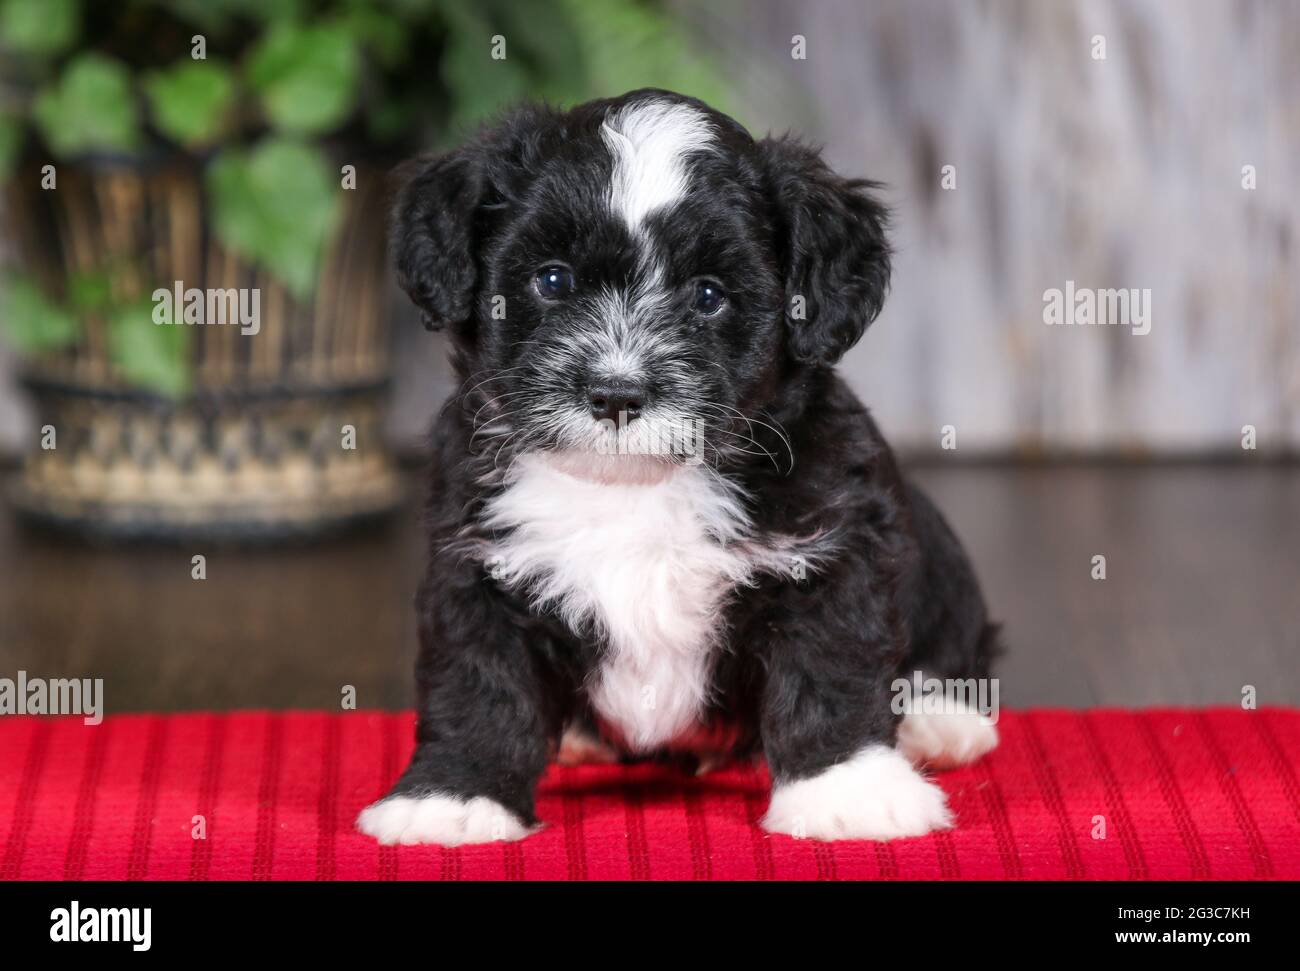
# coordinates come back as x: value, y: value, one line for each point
x: 709, y: 297
x: 555, y: 282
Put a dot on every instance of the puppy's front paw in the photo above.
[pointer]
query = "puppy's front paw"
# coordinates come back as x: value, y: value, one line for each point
x: 875, y: 795
x: 445, y: 820
x: 946, y: 740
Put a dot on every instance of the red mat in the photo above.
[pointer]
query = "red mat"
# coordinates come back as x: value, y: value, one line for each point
x: 1181, y: 794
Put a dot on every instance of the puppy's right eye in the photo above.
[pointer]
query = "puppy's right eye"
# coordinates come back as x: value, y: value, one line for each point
x: 555, y: 282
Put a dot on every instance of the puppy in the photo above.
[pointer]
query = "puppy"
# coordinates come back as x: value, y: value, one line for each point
x: 658, y: 521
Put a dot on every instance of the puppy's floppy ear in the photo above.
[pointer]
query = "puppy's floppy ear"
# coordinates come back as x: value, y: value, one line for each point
x: 433, y: 236
x: 830, y: 234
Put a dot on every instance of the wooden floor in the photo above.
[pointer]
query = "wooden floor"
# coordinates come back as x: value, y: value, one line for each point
x: 1201, y: 598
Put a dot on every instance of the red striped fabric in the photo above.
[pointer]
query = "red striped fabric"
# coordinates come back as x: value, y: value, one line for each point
x: 1159, y: 794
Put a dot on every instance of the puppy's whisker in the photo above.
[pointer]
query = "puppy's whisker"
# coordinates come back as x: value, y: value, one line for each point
x: 751, y: 422
x: 494, y: 435
x: 499, y: 374
x: 492, y: 401
x: 733, y: 448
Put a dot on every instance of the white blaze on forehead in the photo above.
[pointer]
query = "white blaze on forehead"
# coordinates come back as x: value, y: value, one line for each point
x: 651, y: 142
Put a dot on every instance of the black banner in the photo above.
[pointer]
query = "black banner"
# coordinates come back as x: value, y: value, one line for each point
x: 330, y: 919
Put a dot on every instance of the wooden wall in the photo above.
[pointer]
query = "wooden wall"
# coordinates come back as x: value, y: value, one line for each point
x: 1123, y: 172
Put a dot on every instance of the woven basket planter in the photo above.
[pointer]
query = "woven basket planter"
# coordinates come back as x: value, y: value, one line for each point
x: 257, y: 449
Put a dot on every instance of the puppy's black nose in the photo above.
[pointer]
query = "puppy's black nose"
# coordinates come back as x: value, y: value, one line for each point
x: 611, y: 400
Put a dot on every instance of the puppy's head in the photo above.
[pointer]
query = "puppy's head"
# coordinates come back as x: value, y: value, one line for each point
x: 636, y: 276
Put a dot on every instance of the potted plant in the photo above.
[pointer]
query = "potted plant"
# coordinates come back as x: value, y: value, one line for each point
x: 195, y: 191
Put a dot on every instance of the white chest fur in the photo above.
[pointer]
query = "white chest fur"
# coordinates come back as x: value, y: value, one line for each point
x: 645, y: 566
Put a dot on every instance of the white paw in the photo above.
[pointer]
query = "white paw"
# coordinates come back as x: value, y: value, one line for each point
x: 945, y: 741
x: 578, y: 748
x: 876, y: 795
x: 445, y: 820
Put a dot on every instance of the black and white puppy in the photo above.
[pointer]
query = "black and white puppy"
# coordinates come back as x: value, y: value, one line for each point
x: 658, y: 521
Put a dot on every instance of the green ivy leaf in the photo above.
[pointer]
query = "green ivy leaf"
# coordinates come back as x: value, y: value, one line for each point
x: 90, y: 291
x: 35, y: 323
x: 91, y: 106
x: 191, y: 100
x: 307, y: 76
x: 149, y: 355
x: 276, y: 205
x: 39, y: 27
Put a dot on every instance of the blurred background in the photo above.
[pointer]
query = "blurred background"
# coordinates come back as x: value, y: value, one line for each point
x: 246, y: 144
